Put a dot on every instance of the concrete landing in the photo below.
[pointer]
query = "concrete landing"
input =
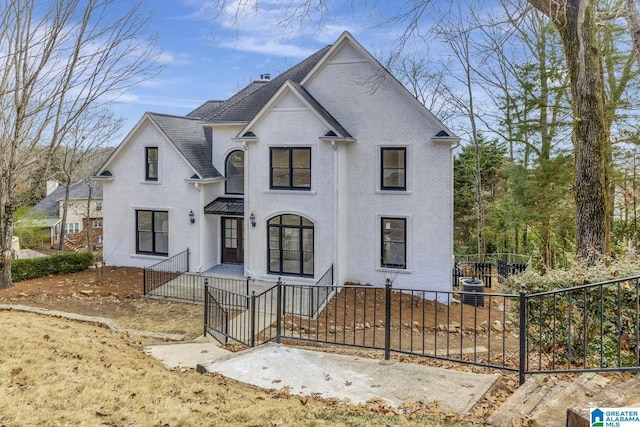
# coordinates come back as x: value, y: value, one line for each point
x: 354, y: 379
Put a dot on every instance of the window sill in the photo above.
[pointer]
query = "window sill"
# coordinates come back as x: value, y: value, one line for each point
x: 393, y: 270
x: 148, y: 256
x: 296, y: 192
x: 151, y: 182
x: 400, y: 192
x: 295, y: 280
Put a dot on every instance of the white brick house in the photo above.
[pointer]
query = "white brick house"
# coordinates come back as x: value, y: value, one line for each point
x: 333, y: 162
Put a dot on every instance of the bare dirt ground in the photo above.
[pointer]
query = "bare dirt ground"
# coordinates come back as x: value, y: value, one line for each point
x: 114, y: 293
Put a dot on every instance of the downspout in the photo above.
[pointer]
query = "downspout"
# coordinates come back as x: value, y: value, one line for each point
x: 200, y: 222
x: 247, y: 211
x: 336, y: 232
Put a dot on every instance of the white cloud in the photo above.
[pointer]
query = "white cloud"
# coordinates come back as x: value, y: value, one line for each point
x: 169, y: 58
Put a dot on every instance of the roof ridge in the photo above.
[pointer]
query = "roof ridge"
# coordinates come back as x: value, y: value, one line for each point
x: 270, y: 85
x: 172, y: 115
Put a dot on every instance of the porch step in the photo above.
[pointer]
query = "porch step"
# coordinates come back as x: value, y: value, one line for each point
x: 544, y: 400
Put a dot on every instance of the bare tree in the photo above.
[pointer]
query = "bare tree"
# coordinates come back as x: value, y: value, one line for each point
x: 59, y: 60
x: 81, y: 147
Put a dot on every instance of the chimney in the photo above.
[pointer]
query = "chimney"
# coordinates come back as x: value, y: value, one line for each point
x: 52, y: 184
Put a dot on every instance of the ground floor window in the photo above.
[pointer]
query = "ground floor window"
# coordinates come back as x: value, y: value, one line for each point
x: 152, y: 232
x: 290, y: 245
x: 394, y: 242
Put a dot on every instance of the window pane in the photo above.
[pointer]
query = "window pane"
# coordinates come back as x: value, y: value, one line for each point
x: 144, y: 220
x: 302, y: 178
x: 162, y: 243
x: 301, y: 157
x: 291, y: 219
x: 280, y: 177
x: 152, y: 170
x: 290, y: 239
x: 274, y: 238
x: 394, y: 242
x: 235, y: 172
x: 274, y: 261
x: 161, y: 221
x: 152, y: 155
x: 291, y: 262
x: 307, y: 240
x: 305, y: 221
x: 145, y: 241
x: 280, y: 157
x: 275, y: 220
x: 308, y: 263
x: 393, y: 158
x: 393, y: 178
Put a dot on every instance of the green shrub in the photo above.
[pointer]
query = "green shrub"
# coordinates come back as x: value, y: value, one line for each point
x: 592, y: 325
x: 24, y: 269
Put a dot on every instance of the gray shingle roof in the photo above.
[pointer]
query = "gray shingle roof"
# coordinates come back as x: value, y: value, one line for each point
x: 190, y: 138
x: 205, y: 109
x: 80, y: 190
x: 244, y: 105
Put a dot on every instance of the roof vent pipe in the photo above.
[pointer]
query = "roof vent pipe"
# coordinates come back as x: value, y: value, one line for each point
x: 265, y: 76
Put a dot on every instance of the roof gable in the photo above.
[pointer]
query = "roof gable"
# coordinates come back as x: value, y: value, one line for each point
x: 187, y: 135
x: 347, y: 49
x: 307, y: 100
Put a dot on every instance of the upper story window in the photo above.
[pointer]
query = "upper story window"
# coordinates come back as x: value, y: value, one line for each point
x: 234, y: 171
x: 290, y: 168
x: 394, y: 243
x: 151, y: 168
x: 393, y: 171
x: 98, y: 206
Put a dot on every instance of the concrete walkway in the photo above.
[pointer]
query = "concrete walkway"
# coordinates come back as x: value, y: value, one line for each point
x: 352, y: 379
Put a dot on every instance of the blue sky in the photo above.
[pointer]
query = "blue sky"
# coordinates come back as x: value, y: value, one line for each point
x: 212, y: 59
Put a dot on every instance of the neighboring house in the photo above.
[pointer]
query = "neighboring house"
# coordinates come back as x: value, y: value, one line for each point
x: 80, y: 195
x: 333, y: 162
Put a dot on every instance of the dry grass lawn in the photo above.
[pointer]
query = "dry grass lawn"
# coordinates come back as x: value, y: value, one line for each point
x: 56, y: 372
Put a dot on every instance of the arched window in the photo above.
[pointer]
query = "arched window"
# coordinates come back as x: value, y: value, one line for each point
x: 290, y: 245
x: 234, y: 171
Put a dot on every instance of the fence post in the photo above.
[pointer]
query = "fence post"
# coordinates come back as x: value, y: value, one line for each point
x: 144, y: 281
x: 248, y: 278
x: 252, y: 319
x: 278, y: 309
x: 523, y: 334
x: 387, y: 319
x: 206, y: 306
x: 188, y: 259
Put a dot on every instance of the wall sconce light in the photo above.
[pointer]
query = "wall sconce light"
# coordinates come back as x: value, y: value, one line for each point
x: 252, y: 218
x: 192, y: 217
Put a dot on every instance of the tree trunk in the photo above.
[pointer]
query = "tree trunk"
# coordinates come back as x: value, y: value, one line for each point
x: 575, y: 20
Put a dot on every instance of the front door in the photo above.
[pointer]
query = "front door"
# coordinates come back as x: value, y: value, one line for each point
x: 232, y: 247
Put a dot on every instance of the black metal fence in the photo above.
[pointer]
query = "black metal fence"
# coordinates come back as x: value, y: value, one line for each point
x: 236, y: 318
x: 580, y: 329
x: 308, y: 300
x: 490, y: 268
x: 165, y: 271
x: 589, y: 328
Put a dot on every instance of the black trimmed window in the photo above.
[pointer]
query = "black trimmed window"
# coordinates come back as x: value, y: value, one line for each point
x: 290, y: 168
x: 152, y: 232
x: 393, y: 171
x: 234, y: 171
x: 393, y: 252
x: 151, y: 164
x: 290, y: 250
